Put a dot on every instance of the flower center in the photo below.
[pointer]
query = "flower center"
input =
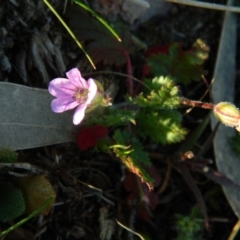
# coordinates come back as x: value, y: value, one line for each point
x: 80, y: 95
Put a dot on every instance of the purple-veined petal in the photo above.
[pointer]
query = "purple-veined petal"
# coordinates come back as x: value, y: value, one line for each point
x: 79, y: 114
x: 92, y: 90
x: 62, y: 104
x: 60, y: 86
x: 76, y: 78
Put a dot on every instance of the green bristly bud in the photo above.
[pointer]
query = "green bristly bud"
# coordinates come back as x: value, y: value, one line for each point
x: 227, y: 114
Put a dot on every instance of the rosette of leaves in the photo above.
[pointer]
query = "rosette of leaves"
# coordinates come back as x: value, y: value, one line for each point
x: 12, y: 203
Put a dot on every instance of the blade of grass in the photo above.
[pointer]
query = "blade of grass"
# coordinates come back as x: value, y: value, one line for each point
x: 69, y: 31
x: 26, y: 219
x: 85, y: 7
x: 235, y: 230
x: 194, y: 136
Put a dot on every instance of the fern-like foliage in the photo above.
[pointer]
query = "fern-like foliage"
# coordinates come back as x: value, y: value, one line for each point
x: 156, y: 117
x: 131, y: 152
x: 159, y: 92
x: 162, y: 126
x: 183, y: 66
x: 12, y: 203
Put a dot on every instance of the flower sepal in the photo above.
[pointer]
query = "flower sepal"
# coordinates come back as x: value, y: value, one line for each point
x: 98, y: 100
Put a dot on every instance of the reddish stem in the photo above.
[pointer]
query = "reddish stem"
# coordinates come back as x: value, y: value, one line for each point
x: 193, y: 103
x: 129, y: 72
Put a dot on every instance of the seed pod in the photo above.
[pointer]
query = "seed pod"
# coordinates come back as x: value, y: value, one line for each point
x: 227, y: 114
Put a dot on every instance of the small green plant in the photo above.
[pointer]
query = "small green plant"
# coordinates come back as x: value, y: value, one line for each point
x: 18, y: 224
x: 189, y: 227
x: 12, y: 203
x: 150, y: 116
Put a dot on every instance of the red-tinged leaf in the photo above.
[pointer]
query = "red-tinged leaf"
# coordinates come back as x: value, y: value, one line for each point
x: 183, y: 66
x: 138, y: 189
x: 88, y: 136
x: 102, y: 46
x: 156, y: 49
x: 151, y: 51
x: 193, y: 186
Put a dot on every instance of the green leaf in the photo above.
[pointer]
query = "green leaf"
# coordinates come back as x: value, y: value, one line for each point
x: 18, y: 224
x: 163, y: 94
x: 112, y: 117
x: 162, y: 126
x: 183, y: 66
x: 12, y: 204
x: 189, y: 227
x: 131, y: 152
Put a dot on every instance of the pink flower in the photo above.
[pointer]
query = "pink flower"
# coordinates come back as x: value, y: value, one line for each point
x: 72, y: 92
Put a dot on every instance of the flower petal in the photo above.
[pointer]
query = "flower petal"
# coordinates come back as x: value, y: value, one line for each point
x: 60, y: 86
x: 79, y: 114
x: 76, y: 78
x: 92, y: 90
x: 62, y: 104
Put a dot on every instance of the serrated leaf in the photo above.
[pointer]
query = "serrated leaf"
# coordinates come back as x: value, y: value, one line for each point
x: 102, y: 46
x: 125, y: 138
x: 163, y: 94
x: 27, y: 121
x: 183, y: 66
x: 133, y: 156
x: 162, y: 126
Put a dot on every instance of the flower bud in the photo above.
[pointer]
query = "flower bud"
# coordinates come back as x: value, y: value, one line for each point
x: 98, y: 99
x: 227, y: 114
